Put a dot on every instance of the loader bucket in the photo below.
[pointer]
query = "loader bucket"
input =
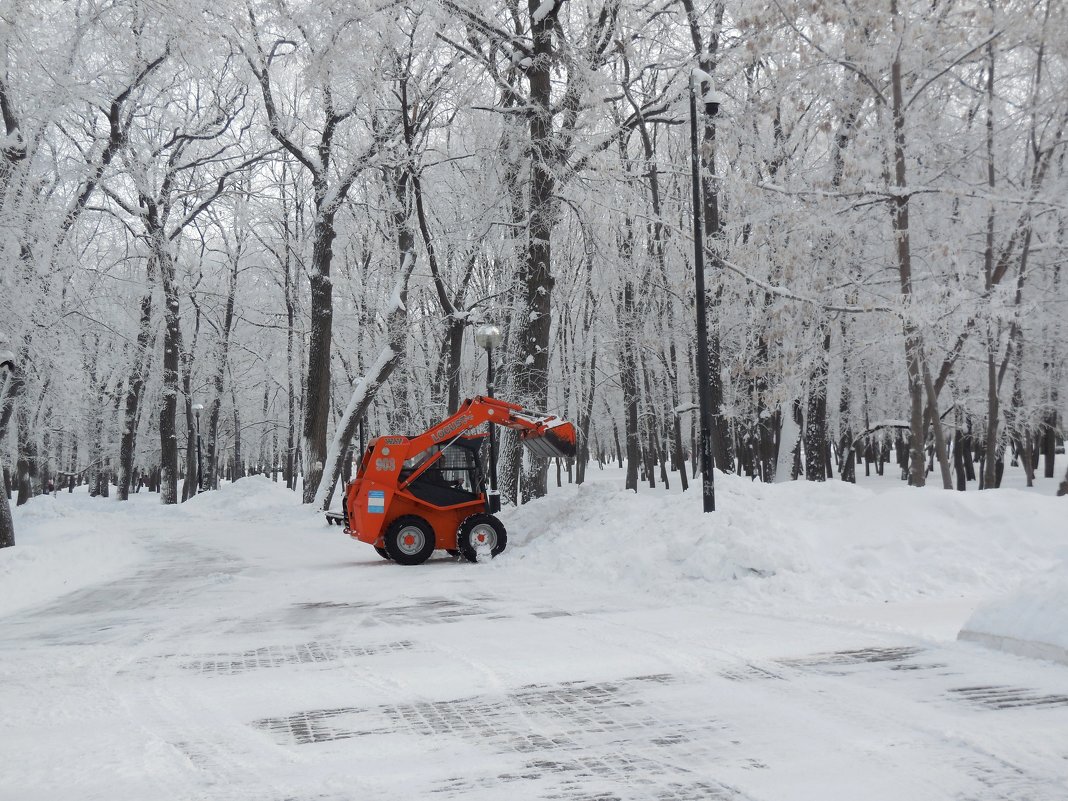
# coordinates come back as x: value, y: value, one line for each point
x: 557, y: 440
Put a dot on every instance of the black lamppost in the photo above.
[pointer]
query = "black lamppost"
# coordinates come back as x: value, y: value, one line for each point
x: 7, y: 381
x: 7, y: 375
x: 489, y: 336
x: 197, y: 409
x: 698, y: 80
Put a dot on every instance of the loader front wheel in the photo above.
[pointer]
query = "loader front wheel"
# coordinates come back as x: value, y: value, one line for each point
x: 409, y: 540
x: 481, y: 534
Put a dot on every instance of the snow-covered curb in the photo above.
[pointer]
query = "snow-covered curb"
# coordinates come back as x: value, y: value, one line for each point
x: 1012, y: 645
x: 1031, y: 622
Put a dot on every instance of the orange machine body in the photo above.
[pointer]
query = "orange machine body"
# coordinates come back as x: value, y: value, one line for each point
x: 436, y: 476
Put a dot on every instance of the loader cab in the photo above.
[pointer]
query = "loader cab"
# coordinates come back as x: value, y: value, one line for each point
x: 455, y: 477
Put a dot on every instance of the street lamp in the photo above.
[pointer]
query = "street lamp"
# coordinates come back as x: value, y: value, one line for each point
x: 489, y: 336
x: 197, y: 409
x: 711, y: 100
x: 7, y: 374
x: 7, y: 380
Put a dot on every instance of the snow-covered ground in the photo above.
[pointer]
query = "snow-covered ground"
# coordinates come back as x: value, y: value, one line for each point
x: 800, y: 643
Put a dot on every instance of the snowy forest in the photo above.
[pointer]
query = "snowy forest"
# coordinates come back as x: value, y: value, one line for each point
x: 277, y: 223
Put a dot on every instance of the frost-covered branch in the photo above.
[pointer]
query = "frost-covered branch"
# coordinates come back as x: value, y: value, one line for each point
x: 782, y: 292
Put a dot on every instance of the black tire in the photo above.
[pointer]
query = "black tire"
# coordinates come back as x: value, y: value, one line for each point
x: 452, y: 552
x: 481, y: 531
x: 409, y: 540
x: 382, y: 552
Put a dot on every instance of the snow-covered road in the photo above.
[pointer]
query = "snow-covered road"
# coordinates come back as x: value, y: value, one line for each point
x: 276, y: 660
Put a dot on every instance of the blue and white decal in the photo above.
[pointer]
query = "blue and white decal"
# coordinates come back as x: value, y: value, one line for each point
x: 376, y: 502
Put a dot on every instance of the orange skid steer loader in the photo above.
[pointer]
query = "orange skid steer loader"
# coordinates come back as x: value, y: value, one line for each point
x: 413, y: 495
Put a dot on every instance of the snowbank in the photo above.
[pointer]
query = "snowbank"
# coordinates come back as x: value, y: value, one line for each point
x: 252, y: 499
x: 801, y: 549
x: 69, y: 541
x: 63, y: 543
x: 794, y: 544
x: 1033, y: 621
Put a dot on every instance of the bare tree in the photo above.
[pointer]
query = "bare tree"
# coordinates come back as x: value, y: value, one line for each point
x: 317, y: 152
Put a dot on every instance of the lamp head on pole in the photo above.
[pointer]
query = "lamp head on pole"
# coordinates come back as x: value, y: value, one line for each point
x: 702, y: 85
x: 197, y: 409
x: 488, y: 336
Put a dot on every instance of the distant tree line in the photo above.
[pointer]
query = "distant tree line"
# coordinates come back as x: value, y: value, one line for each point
x: 274, y: 223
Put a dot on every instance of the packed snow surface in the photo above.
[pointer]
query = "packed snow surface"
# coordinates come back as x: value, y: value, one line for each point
x: 799, y: 643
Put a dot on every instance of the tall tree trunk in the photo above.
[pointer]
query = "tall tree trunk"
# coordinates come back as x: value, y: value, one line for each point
x: 7, y: 524
x: 900, y: 210
x: 239, y: 456
x: 28, y: 460
x: 788, y: 456
x: 94, y: 455
x: 531, y: 375
x: 263, y: 460
x: 629, y: 372
x: 936, y: 423
x: 172, y: 345
x: 135, y: 385
x: 320, y: 340
x: 510, y: 454
x: 816, y: 415
x: 992, y: 412
x: 707, y: 57
x: 10, y: 382
x: 653, y: 454
x: 586, y: 417
x: 222, y: 365
x: 958, y: 455
x: 842, y: 139
x: 992, y: 401
x: 192, y: 469
x: 1017, y: 427
x: 1054, y: 362
x: 290, y: 466
x: 847, y: 469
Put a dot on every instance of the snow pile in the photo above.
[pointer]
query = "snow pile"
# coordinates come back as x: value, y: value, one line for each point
x: 792, y: 544
x: 64, y: 543
x: 1033, y: 621
x: 799, y: 549
x: 70, y: 541
x: 250, y: 499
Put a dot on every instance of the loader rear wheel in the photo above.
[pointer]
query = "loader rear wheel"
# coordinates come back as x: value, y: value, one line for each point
x: 409, y: 540
x: 483, y: 534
